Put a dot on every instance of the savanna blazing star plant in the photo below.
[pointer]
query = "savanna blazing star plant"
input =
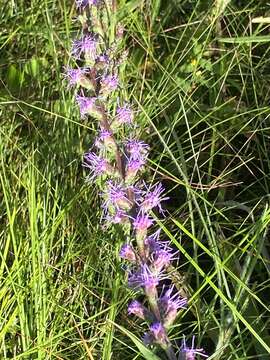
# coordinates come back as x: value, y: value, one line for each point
x: 117, y: 162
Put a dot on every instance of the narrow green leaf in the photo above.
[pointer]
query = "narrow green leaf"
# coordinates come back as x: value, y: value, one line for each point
x: 246, y: 39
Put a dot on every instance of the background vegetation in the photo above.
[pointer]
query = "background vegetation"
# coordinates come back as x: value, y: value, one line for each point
x: 199, y: 73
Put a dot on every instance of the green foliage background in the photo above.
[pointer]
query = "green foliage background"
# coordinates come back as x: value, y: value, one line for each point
x: 199, y: 73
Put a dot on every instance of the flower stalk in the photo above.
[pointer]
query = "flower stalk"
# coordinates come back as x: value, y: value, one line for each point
x: 117, y: 160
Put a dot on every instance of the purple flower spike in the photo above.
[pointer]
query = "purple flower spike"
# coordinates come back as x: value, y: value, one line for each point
x: 117, y: 162
x: 159, y: 333
x: 187, y: 353
x: 75, y: 76
x: 109, y: 83
x: 153, y: 198
x: 136, y: 308
x: 83, y: 3
x: 137, y: 149
x: 127, y: 253
x: 97, y: 165
x: 124, y: 114
x: 87, y: 45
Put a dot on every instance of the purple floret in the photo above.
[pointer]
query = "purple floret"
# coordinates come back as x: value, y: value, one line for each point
x: 138, y: 150
x: 74, y: 76
x: 169, y: 301
x: 103, y: 60
x: 116, y: 197
x: 124, y: 114
x: 87, y: 45
x: 135, y: 165
x: 153, y: 198
x: 162, y: 259
x: 120, y: 217
x: 187, y: 353
x: 86, y: 104
x: 149, y: 281
x: 152, y: 242
x: 158, y: 333
x: 134, y: 280
x: 104, y: 134
x: 103, y: 137
x: 170, y: 304
x: 145, y: 280
x: 142, y: 222
x: 127, y: 253
x: 96, y: 164
x: 109, y: 83
x: 136, y: 308
x: 132, y: 168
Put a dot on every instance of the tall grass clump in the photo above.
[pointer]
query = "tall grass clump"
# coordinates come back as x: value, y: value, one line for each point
x: 197, y: 78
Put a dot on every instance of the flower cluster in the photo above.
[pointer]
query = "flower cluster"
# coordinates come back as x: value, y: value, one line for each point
x: 118, y: 161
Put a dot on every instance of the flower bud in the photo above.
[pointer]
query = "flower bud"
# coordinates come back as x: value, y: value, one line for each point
x: 123, y: 57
